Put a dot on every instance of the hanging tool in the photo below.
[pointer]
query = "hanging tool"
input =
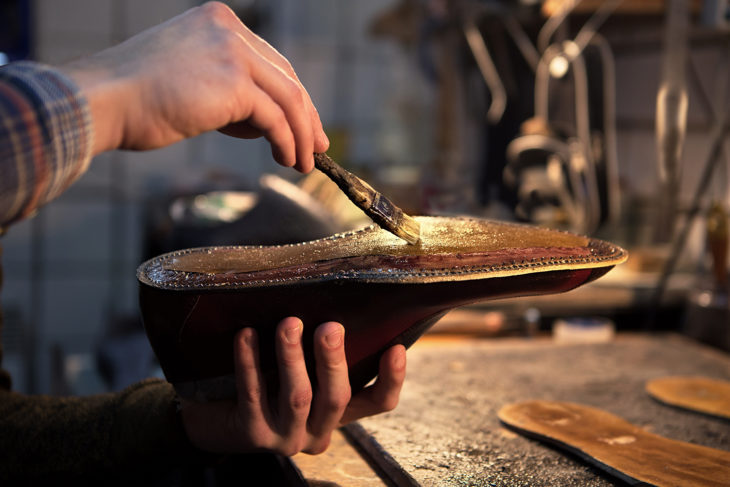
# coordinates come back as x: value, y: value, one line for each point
x: 578, y: 178
x: 671, y: 115
x: 487, y: 69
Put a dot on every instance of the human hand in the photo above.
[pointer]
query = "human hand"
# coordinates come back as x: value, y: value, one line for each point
x: 299, y: 420
x: 200, y: 71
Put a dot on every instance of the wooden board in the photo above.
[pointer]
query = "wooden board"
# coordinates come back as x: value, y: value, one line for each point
x: 340, y: 465
x: 701, y: 394
x: 617, y: 446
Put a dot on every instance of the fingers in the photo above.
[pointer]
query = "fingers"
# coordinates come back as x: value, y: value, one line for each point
x: 274, y: 76
x: 321, y: 143
x: 249, y: 381
x: 287, y: 94
x: 384, y: 393
x: 295, y: 393
x: 333, y: 385
x: 252, y: 404
x: 295, y: 421
x: 268, y: 117
x: 201, y: 71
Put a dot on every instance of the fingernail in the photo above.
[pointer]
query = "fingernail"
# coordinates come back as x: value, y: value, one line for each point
x: 400, y: 361
x: 293, y: 335
x: 334, y: 339
x: 250, y: 338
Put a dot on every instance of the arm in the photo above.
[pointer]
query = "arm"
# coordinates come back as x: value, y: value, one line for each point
x: 133, y: 434
x: 138, y: 433
x: 46, y: 137
x: 204, y: 70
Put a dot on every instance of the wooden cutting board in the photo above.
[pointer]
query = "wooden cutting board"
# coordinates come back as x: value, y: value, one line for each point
x: 700, y: 394
x: 617, y: 446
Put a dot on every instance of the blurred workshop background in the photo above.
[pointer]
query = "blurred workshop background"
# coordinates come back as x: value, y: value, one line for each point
x: 559, y: 113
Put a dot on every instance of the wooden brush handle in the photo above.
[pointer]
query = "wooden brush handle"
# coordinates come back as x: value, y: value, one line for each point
x: 379, y: 208
x: 360, y: 192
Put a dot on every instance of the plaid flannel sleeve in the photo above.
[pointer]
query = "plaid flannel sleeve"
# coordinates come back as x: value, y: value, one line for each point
x: 46, y: 137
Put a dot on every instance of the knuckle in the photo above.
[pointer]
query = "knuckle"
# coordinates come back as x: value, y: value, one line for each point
x: 289, y: 70
x: 389, y: 402
x: 230, y: 47
x: 288, y: 451
x: 286, y: 66
x: 294, y: 92
x: 252, y: 394
x: 249, y: 364
x: 259, y: 437
x: 291, y: 446
x: 279, y: 123
x: 334, y: 363
x: 292, y: 360
x: 300, y: 399
x: 216, y: 11
x: 339, y: 402
x: 319, y: 446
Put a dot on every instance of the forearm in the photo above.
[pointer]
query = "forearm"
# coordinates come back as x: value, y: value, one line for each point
x: 46, y: 137
x: 108, y: 97
x: 132, y: 434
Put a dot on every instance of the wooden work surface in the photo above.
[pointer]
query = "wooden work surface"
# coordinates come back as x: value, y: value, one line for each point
x: 340, y: 466
x: 446, y: 432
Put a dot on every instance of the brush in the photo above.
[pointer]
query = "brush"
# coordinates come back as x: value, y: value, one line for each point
x: 375, y: 205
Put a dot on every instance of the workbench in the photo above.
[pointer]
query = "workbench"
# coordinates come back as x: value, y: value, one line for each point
x: 445, y: 430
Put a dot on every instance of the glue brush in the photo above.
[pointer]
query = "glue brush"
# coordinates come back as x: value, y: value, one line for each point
x: 375, y: 205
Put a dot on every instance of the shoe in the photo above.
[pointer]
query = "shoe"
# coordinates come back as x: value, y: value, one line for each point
x: 383, y: 290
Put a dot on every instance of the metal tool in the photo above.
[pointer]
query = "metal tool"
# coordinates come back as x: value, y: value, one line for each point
x: 488, y: 70
x: 671, y: 115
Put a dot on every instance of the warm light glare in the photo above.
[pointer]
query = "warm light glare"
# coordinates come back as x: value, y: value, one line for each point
x: 559, y: 66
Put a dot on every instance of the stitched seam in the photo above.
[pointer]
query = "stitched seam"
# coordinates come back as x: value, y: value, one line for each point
x: 376, y: 273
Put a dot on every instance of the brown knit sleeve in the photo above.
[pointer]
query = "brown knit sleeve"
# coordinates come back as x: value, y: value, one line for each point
x: 125, y: 437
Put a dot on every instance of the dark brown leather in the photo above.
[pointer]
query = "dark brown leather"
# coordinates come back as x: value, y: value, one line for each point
x: 381, y: 289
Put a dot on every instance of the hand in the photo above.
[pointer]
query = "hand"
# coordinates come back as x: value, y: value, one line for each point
x: 203, y: 70
x: 299, y: 420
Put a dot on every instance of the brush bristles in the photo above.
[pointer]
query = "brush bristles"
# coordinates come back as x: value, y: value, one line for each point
x: 408, y: 229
